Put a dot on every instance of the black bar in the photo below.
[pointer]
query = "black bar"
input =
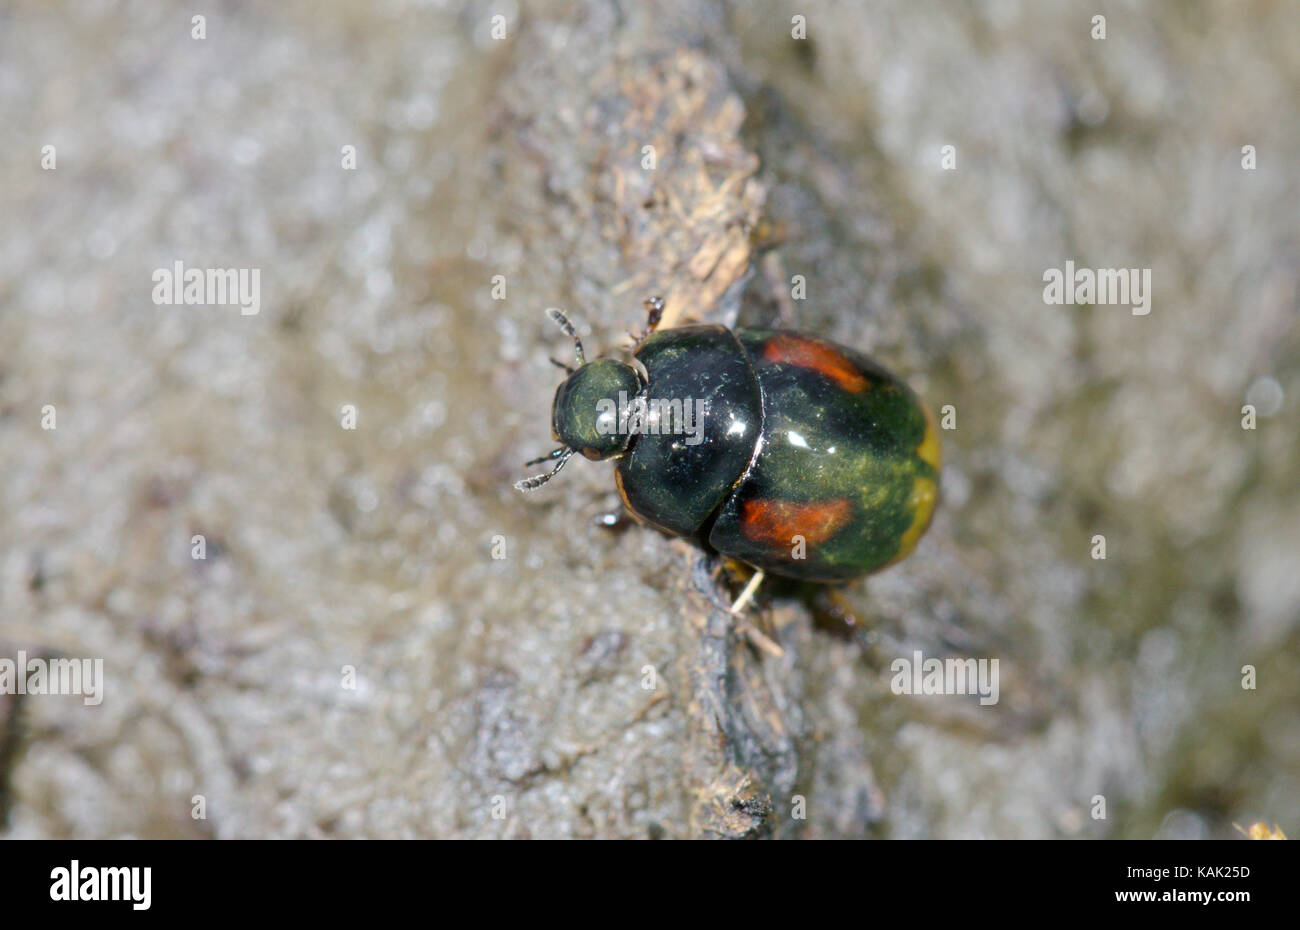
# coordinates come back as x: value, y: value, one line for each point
x: 330, y: 878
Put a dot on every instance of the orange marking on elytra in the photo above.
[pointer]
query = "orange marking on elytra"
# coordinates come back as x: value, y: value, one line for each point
x: 775, y: 522
x: 805, y: 353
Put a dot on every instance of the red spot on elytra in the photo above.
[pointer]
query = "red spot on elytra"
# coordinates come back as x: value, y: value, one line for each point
x: 818, y: 357
x: 775, y: 522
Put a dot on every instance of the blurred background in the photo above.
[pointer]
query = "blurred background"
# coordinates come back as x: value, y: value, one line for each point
x: 516, y: 670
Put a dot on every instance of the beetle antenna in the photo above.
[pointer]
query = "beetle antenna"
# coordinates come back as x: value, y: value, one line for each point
x: 535, y: 482
x: 559, y: 319
x: 550, y: 456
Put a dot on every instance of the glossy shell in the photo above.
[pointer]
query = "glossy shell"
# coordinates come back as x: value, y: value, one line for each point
x: 848, y: 463
x: 665, y: 481
x: 815, y: 462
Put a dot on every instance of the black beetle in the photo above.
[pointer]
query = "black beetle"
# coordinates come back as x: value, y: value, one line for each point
x: 790, y: 453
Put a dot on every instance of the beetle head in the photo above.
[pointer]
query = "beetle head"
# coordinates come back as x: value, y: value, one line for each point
x: 584, y: 417
x: 585, y: 414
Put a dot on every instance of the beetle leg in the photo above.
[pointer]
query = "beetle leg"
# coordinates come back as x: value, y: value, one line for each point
x: 612, y: 519
x: 834, y: 613
x: 654, y: 308
x: 760, y: 639
x: 748, y: 594
x: 559, y: 364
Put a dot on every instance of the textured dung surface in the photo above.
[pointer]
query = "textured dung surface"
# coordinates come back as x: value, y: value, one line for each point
x: 519, y: 685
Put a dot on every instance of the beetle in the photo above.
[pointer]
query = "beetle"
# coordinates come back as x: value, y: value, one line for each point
x: 810, y: 460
